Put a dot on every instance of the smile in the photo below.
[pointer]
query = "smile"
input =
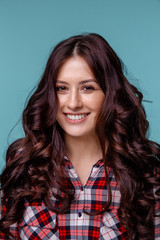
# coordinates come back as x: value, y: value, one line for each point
x: 76, y: 117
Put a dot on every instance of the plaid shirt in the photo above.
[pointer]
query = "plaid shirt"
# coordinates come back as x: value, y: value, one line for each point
x: 40, y: 223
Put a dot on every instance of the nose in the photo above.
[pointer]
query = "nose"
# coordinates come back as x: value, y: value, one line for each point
x: 74, y: 100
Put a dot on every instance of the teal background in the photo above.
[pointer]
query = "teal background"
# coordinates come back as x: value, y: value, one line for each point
x: 29, y: 29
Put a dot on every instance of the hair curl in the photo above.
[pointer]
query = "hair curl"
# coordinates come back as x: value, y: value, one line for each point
x: 36, y: 162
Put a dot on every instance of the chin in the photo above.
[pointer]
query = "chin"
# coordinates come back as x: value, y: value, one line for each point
x: 79, y: 134
x: 76, y: 135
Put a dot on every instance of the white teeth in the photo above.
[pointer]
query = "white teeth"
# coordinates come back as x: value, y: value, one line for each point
x: 76, y: 117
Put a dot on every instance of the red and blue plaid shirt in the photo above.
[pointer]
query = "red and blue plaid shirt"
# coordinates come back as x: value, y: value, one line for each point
x: 38, y: 222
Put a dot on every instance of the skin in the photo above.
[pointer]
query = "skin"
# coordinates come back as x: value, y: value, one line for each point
x: 80, y: 99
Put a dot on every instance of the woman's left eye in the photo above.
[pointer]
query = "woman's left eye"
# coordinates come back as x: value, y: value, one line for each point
x: 88, y: 88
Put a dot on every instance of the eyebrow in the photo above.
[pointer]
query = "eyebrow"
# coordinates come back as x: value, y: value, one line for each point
x: 81, y: 82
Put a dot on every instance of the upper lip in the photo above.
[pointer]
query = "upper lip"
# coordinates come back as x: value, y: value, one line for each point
x: 75, y: 113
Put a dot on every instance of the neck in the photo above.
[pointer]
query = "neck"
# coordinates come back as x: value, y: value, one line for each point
x: 86, y: 148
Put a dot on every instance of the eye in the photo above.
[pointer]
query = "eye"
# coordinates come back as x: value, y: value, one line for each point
x: 88, y: 88
x: 61, y: 88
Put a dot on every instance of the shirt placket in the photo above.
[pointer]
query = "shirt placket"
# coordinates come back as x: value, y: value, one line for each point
x: 80, y: 214
x: 80, y: 221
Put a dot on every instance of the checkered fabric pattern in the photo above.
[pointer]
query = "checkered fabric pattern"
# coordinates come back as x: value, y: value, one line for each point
x: 40, y: 223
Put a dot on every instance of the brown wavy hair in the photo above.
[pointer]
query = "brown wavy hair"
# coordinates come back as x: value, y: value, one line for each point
x: 35, y: 163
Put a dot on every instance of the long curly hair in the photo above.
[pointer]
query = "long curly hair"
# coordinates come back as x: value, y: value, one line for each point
x: 35, y: 163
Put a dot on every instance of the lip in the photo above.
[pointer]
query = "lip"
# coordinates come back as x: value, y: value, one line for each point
x: 76, y: 120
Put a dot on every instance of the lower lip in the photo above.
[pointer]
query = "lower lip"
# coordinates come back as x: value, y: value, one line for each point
x: 76, y: 120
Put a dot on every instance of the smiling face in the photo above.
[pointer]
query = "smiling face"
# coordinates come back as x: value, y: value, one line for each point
x: 79, y: 97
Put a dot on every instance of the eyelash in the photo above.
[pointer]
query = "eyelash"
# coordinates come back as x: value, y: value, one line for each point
x: 85, y: 88
x: 60, y: 88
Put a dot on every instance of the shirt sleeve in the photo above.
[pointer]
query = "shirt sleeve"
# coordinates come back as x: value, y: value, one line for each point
x: 157, y: 220
x: 13, y: 228
x: 157, y: 211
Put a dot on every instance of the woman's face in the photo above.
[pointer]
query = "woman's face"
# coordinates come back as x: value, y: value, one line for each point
x: 79, y: 98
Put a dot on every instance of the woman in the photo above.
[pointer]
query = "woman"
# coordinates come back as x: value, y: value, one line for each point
x: 85, y: 169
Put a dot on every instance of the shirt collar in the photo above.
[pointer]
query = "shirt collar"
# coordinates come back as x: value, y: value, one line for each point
x: 69, y: 164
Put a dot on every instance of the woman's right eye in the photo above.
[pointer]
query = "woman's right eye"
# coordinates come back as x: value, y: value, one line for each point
x: 61, y: 88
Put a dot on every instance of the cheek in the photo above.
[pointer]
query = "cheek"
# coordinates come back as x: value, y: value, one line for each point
x: 98, y: 103
x: 60, y: 102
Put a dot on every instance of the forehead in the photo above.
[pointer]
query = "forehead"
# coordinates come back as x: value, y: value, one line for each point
x: 75, y: 67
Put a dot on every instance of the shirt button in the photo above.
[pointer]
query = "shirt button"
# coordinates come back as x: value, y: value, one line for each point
x: 82, y: 188
x: 79, y: 214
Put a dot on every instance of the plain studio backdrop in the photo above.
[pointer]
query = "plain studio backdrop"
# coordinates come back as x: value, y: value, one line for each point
x: 30, y: 29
